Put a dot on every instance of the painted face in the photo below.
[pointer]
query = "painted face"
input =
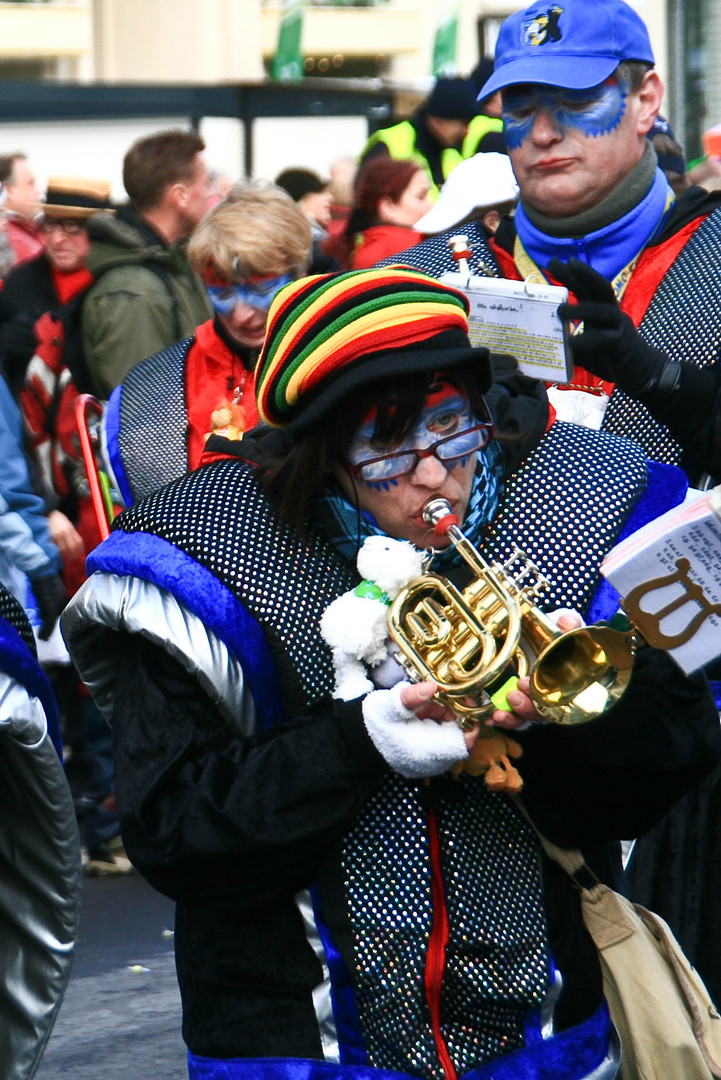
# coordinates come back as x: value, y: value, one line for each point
x: 570, y: 148
x: 396, y: 501
x: 596, y: 111
x: 258, y: 293
x: 243, y: 307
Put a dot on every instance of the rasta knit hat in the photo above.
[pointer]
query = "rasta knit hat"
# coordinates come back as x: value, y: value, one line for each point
x: 329, y: 335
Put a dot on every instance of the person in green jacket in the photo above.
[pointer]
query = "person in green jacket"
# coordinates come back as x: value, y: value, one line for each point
x: 146, y: 296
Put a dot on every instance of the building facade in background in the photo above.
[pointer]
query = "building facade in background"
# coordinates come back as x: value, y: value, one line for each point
x: 230, y: 41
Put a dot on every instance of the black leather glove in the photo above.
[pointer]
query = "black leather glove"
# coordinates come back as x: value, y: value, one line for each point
x: 50, y: 595
x: 17, y: 338
x: 609, y: 345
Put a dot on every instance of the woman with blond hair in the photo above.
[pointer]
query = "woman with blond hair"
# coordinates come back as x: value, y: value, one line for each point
x: 244, y: 249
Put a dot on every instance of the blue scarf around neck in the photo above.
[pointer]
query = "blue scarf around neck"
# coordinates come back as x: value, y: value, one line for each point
x: 607, y: 250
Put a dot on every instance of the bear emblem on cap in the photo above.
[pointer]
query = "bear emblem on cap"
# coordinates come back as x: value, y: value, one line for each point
x: 540, y: 29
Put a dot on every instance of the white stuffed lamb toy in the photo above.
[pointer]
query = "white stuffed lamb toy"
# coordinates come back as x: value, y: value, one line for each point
x: 355, y: 624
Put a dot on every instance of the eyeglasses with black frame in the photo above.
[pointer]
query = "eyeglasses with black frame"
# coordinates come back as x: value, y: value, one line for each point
x: 401, y: 463
x: 70, y: 226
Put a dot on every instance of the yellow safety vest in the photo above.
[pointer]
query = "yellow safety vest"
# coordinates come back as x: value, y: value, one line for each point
x: 478, y: 127
x: 401, y: 142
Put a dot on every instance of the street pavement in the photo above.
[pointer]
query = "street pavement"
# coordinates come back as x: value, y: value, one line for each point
x: 121, y: 1014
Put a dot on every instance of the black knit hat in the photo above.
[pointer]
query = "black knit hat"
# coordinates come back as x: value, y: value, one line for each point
x: 300, y: 182
x: 452, y: 99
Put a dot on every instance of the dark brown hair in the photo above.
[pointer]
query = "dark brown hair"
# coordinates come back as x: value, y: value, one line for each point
x: 154, y: 163
x: 632, y: 72
x: 7, y: 166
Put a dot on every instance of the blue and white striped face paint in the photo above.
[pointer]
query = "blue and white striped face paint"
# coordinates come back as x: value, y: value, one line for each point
x: 593, y: 112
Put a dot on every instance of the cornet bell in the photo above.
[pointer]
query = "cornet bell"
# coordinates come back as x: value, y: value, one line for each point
x: 582, y: 674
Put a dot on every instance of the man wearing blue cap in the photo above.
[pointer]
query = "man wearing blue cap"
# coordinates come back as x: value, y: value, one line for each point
x: 580, y: 97
x: 596, y: 213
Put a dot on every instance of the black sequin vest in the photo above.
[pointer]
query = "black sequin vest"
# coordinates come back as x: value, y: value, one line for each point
x: 565, y: 506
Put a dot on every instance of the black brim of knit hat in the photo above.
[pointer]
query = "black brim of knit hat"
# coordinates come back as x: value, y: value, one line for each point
x: 441, y: 353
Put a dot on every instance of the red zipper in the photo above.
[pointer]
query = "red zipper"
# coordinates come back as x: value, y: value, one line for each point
x: 436, y: 955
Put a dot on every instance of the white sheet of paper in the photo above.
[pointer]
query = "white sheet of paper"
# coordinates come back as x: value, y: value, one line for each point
x: 520, y: 318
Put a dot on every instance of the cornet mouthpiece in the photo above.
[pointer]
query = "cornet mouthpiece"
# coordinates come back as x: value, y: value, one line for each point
x: 438, y: 512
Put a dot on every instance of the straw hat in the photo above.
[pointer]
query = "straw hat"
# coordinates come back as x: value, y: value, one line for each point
x: 74, y: 197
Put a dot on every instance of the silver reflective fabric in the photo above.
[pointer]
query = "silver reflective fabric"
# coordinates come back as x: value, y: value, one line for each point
x: 40, y: 882
x: 322, y: 1002
x: 107, y: 604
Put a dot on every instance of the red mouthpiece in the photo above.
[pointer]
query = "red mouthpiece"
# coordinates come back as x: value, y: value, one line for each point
x: 441, y: 527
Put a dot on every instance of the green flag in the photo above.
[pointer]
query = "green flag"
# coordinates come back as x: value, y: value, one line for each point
x: 445, y: 41
x: 288, y: 62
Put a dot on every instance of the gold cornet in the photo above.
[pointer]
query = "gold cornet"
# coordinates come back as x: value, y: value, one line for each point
x: 466, y: 640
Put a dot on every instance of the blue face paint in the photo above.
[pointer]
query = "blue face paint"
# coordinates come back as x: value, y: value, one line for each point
x: 593, y: 112
x: 259, y: 295
x: 444, y: 424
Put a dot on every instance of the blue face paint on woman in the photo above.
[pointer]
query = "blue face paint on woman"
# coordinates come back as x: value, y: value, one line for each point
x: 449, y: 414
x: 596, y: 111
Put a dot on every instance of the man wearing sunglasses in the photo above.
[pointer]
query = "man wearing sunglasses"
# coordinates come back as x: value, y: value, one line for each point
x: 55, y: 276
x: 246, y: 249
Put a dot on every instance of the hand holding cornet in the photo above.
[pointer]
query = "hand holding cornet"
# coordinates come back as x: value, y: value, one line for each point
x: 468, y: 641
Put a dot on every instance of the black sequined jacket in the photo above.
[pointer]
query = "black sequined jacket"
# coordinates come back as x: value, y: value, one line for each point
x: 310, y: 881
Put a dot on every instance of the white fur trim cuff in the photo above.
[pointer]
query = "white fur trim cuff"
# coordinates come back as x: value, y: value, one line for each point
x: 412, y: 747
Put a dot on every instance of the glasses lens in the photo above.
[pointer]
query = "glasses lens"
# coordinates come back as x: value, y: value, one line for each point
x: 389, y: 467
x: 392, y: 466
x: 71, y: 228
x: 463, y: 443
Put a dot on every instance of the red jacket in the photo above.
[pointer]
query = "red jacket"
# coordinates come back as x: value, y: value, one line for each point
x: 380, y: 241
x: 23, y: 237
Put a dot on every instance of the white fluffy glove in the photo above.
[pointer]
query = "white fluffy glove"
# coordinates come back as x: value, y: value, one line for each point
x: 412, y: 747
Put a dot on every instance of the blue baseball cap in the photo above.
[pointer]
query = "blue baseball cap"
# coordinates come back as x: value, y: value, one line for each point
x: 575, y: 44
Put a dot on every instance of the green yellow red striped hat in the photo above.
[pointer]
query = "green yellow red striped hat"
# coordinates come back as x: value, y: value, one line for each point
x: 329, y: 334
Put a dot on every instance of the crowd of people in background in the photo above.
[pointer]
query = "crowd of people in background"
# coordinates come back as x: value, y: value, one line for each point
x: 190, y: 312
